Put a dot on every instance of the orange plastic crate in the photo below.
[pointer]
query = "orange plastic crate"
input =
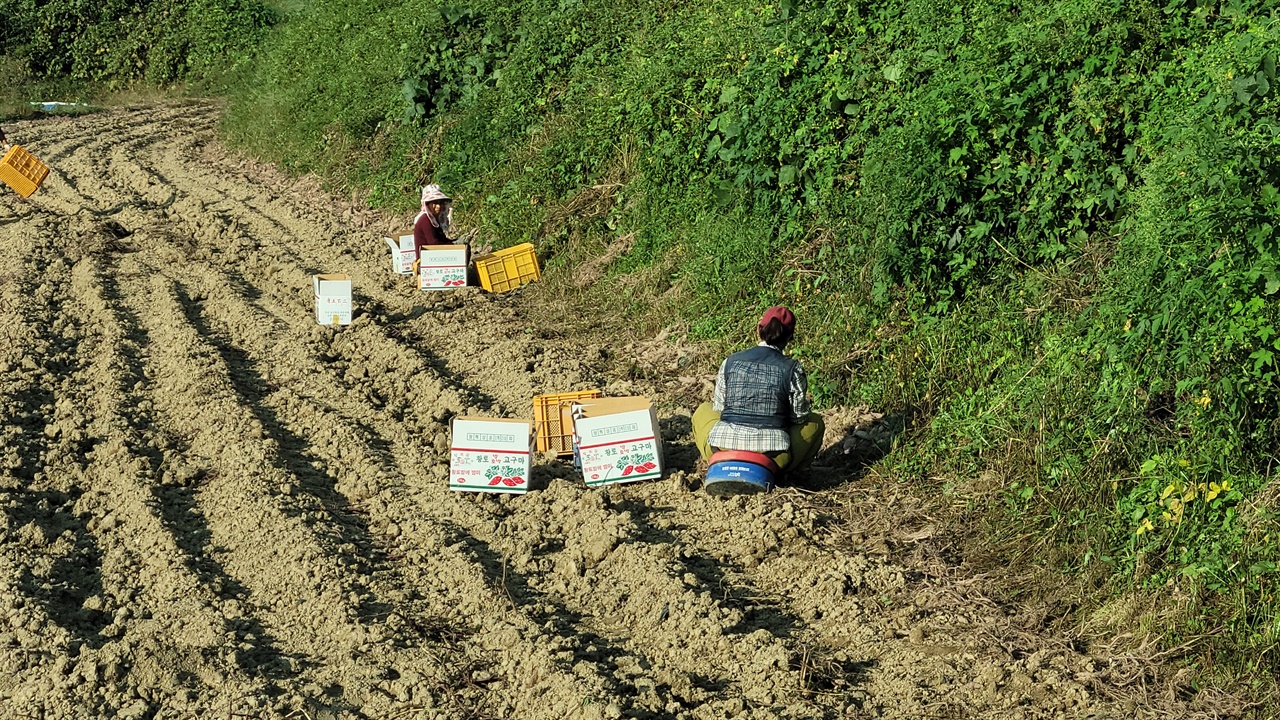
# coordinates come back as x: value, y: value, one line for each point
x: 508, y: 269
x: 553, y: 421
x: 21, y: 171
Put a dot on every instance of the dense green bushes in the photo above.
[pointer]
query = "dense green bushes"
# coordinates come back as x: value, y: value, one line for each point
x: 117, y: 42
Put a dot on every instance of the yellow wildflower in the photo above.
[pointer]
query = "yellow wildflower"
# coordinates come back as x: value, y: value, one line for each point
x: 1145, y: 527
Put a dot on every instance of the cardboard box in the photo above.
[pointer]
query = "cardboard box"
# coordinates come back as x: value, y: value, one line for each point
x: 333, y: 299
x: 443, y: 267
x: 618, y: 440
x: 489, y: 455
x: 401, y: 254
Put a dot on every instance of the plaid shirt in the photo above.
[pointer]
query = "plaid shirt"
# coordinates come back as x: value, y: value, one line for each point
x: 732, y: 436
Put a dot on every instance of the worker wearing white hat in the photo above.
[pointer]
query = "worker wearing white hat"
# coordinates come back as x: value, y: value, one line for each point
x: 432, y: 224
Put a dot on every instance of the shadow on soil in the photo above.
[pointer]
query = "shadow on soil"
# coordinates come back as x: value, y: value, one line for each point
x: 294, y: 456
x: 74, y: 574
x: 848, y: 459
x: 176, y: 500
x: 583, y: 644
x: 678, y: 450
x: 65, y: 568
x: 714, y: 575
x: 410, y: 341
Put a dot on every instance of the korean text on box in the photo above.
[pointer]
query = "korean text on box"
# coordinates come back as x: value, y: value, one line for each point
x: 489, y: 455
x: 401, y: 254
x: 443, y: 267
x: 333, y: 299
x: 618, y: 441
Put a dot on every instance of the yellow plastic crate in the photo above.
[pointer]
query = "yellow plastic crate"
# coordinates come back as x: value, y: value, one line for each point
x: 553, y: 421
x: 508, y: 269
x: 21, y: 171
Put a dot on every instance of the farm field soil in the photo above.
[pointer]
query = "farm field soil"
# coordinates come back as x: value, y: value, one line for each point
x: 212, y: 507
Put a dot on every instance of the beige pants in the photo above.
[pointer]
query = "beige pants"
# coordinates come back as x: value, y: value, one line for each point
x: 806, y: 438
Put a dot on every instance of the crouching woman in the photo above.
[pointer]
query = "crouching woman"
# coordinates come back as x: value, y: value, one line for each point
x: 761, y: 402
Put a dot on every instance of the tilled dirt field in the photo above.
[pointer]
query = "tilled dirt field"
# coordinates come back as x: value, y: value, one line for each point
x: 211, y: 507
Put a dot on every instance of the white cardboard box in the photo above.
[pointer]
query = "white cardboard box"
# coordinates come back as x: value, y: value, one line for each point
x: 443, y: 267
x: 490, y: 455
x: 333, y: 299
x: 401, y: 254
x: 618, y: 440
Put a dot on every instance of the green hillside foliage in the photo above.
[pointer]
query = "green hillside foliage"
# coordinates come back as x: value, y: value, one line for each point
x: 1045, y: 231
x: 117, y: 42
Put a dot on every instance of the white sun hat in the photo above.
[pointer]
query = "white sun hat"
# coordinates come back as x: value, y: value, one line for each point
x: 433, y: 193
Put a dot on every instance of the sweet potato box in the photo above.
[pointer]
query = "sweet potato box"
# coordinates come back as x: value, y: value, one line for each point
x: 618, y: 440
x: 489, y: 455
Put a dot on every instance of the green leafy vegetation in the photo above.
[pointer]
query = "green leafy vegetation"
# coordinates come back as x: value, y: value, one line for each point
x: 74, y: 42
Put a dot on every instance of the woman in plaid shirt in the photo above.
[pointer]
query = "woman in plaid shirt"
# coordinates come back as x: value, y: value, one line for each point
x: 761, y: 403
